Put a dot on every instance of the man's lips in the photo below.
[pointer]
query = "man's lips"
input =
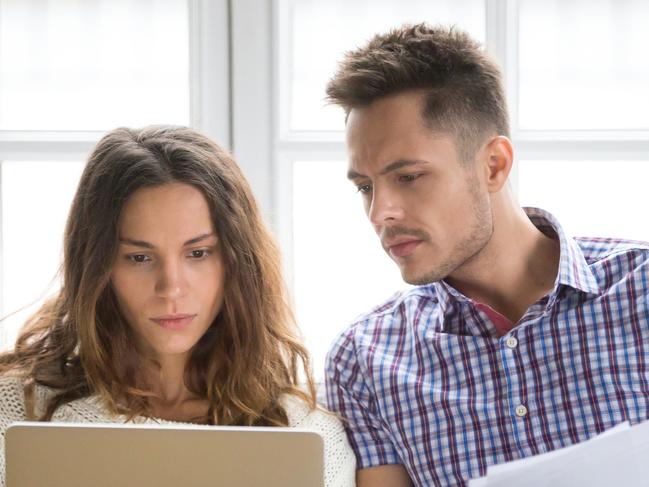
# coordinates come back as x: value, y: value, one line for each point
x: 403, y: 248
x: 173, y: 322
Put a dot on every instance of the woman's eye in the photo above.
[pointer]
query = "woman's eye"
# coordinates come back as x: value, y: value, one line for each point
x: 199, y: 254
x: 138, y: 258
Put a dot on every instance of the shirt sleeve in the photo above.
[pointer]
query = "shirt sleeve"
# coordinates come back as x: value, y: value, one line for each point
x: 350, y: 396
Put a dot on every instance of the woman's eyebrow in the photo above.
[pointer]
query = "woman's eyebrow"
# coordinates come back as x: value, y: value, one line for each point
x: 136, y: 243
x: 148, y: 245
x: 200, y: 238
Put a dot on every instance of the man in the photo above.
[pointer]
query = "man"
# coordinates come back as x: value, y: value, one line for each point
x: 517, y: 339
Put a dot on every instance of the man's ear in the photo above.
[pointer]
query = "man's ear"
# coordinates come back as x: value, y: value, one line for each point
x: 498, y: 157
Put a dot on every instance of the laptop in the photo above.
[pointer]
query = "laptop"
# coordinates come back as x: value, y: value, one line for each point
x: 136, y: 455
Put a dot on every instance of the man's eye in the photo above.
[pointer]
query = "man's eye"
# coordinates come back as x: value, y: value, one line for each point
x: 364, y: 188
x: 407, y: 178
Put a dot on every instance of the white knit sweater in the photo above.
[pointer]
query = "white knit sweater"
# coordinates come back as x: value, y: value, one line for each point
x: 340, y: 464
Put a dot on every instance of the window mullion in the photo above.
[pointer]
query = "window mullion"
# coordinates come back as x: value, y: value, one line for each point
x: 584, y: 150
x: 209, y: 66
x: 46, y: 146
x: 252, y: 96
x: 502, y: 43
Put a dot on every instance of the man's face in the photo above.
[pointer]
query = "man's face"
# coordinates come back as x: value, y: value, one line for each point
x: 430, y: 210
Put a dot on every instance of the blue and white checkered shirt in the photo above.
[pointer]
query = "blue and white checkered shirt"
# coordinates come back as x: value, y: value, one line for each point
x: 427, y: 381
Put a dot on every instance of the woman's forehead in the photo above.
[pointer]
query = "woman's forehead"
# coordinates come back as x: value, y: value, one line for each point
x: 172, y: 210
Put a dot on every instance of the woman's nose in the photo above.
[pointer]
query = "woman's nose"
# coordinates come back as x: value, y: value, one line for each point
x: 171, y: 282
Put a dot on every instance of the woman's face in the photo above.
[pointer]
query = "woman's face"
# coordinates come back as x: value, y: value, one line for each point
x: 168, y: 276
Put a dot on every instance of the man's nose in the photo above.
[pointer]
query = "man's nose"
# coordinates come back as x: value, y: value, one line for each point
x: 385, y: 208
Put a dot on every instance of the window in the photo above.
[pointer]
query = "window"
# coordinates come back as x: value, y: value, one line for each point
x: 69, y: 71
x: 93, y: 65
x: 583, y: 71
x: 573, y: 190
x: 582, y: 113
x: 36, y: 196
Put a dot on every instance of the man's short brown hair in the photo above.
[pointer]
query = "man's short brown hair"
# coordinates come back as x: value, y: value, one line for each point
x: 462, y: 84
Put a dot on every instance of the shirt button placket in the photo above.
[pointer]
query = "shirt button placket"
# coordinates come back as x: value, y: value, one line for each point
x: 521, y: 411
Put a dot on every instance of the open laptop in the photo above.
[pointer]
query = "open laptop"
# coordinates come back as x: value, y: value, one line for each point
x: 102, y: 455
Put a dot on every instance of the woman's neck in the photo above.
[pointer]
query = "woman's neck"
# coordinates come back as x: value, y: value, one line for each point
x: 172, y: 398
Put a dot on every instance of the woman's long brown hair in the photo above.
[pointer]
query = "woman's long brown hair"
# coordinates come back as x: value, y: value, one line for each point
x: 79, y: 344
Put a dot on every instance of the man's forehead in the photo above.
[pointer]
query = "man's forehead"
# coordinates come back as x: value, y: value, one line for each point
x: 369, y: 128
x: 374, y: 156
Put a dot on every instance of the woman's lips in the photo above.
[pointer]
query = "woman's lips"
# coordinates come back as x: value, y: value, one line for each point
x: 173, y: 322
x: 404, y: 249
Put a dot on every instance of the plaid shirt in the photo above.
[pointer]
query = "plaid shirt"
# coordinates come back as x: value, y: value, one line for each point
x: 427, y: 381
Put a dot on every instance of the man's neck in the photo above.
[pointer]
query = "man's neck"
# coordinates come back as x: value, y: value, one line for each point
x: 517, y: 268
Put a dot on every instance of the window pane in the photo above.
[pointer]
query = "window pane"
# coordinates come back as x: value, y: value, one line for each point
x: 320, y: 32
x: 93, y: 64
x: 36, y: 197
x: 590, y: 198
x: 340, y: 269
x: 584, y: 64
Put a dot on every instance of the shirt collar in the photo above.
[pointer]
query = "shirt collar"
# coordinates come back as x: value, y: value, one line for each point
x: 574, y: 271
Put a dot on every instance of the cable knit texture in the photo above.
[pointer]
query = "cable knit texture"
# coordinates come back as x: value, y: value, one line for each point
x: 340, y: 464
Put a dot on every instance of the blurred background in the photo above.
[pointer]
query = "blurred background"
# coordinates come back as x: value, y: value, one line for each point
x: 251, y: 74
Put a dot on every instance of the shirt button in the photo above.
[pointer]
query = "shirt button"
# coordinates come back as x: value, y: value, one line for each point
x: 511, y: 342
x: 521, y: 411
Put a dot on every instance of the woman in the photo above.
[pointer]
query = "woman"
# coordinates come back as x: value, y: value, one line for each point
x: 172, y: 305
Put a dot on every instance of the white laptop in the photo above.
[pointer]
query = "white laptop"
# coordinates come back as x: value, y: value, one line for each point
x: 102, y: 455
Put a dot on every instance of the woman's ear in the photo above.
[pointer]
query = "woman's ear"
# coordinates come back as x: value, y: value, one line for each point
x: 498, y: 160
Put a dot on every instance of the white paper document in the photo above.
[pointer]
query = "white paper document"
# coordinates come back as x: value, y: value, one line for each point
x: 617, y: 457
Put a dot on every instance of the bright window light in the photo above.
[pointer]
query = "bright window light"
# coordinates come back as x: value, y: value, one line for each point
x: 590, y: 198
x: 584, y: 64
x: 93, y: 64
x: 36, y: 198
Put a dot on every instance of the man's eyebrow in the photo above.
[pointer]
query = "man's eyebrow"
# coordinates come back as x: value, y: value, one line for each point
x: 398, y: 164
x: 351, y: 175
x: 147, y: 245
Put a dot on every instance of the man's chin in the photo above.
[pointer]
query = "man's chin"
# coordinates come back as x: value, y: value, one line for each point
x: 419, y: 279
